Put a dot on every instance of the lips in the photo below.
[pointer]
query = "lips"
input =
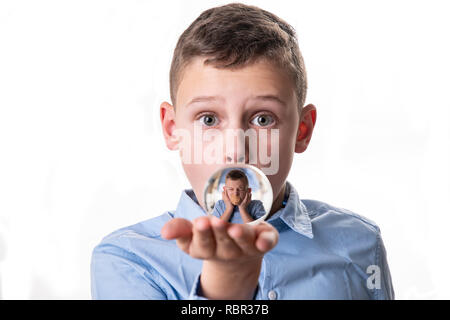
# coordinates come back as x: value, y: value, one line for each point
x: 235, y: 200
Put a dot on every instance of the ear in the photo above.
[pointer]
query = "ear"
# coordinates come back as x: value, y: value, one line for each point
x: 305, y: 127
x: 250, y: 189
x: 167, y: 117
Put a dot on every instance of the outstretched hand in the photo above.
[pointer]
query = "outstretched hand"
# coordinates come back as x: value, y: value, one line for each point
x: 232, y: 253
x: 211, y: 238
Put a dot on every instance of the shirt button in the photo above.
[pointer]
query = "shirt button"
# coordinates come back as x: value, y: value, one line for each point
x: 272, y: 295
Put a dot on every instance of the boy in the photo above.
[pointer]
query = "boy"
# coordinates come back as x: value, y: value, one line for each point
x: 238, y: 67
x: 237, y: 198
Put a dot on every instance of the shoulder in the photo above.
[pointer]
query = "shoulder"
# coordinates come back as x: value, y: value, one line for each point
x: 256, y: 203
x: 130, y: 238
x: 136, y: 262
x: 220, y: 204
x: 343, y: 231
x: 337, y: 216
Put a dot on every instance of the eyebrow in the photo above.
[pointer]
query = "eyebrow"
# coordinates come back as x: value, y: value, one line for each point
x: 270, y: 97
x: 205, y: 99
x: 267, y: 97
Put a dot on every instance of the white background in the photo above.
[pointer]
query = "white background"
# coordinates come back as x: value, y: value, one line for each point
x: 81, y: 152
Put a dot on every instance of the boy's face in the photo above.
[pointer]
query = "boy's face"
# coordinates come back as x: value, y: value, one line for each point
x: 235, y: 107
x: 236, y: 190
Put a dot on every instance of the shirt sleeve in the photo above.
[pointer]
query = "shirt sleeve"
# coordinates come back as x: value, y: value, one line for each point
x: 115, y: 275
x: 257, y: 209
x: 219, y: 208
x: 385, y: 290
x: 196, y: 293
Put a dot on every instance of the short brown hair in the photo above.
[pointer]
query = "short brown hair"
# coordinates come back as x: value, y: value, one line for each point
x: 237, y: 175
x: 236, y: 35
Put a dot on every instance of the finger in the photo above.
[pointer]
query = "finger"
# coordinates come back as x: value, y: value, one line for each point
x: 244, y: 236
x: 226, y: 248
x: 266, y: 240
x: 263, y: 226
x: 203, y: 244
x: 248, y: 199
x: 266, y: 236
x: 244, y: 199
x: 179, y: 229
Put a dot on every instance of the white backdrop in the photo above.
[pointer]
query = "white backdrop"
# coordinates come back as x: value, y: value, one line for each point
x: 81, y: 153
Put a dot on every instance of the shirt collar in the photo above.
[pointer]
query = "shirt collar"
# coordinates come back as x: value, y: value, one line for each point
x: 188, y: 207
x: 294, y: 214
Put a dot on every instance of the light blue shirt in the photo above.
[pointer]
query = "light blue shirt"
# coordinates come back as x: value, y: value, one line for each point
x: 323, y: 252
x: 255, y: 209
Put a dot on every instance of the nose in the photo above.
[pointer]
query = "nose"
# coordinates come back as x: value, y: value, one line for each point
x: 236, y: 146
x: 234, y: 159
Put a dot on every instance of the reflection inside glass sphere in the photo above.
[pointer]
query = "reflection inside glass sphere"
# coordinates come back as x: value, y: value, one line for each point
x: 238, y: 194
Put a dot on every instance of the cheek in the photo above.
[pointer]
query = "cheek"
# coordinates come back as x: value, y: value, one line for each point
x: 284, y: 151
x: 275, y: 149
x: 286, y: 148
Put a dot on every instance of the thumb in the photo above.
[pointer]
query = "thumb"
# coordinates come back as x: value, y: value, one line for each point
x: 177, y: 228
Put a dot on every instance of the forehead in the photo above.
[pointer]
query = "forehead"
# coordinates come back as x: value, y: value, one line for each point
x: 260, y: 79
x: 234, y: 182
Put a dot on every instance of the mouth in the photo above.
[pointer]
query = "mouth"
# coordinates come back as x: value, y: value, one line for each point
x: 235, y: 200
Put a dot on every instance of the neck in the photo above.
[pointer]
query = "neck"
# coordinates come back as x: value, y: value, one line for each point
x: 276, y: 205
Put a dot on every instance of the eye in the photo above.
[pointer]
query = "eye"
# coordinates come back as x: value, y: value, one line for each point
x: 263, y: 120
x: 208, y: 120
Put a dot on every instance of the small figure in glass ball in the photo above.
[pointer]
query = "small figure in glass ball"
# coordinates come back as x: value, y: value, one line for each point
x: 237, y: 198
